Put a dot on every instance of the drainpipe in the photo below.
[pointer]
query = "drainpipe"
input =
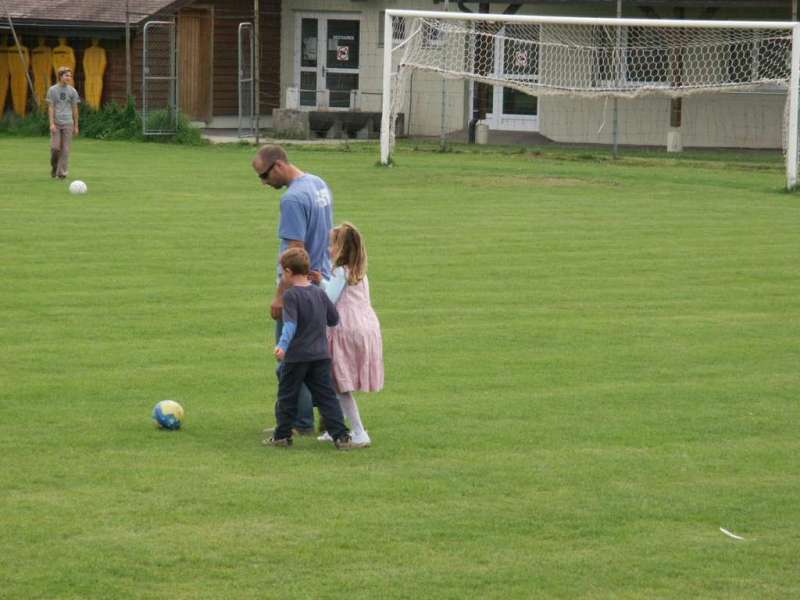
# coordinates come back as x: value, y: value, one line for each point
x: 443, y: 133
x: 617, y: 49
x: 257, y: 66
x: 481, y: 89
x: 128, y: 79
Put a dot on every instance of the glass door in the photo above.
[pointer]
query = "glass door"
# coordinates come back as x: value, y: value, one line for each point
x: 308, y: 65
x: 327, y: 60
x: 515, y: 60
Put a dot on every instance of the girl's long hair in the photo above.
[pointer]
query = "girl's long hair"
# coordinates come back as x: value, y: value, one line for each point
x: 348, y: 250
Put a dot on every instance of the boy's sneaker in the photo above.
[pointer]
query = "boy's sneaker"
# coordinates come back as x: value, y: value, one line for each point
x: 344, y: 443
x: 279, y: 443
x: 325, y: 437
x: 295, y: 431
x: 361, y: 440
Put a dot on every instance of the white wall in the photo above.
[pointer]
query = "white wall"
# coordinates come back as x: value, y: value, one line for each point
x: 371, y: 50
x: 726, y: 120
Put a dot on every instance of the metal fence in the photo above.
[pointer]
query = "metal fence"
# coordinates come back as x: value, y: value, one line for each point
x: 159, y: 79
x: 247, y: 120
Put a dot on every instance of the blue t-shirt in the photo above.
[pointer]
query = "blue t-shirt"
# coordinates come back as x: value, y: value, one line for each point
x: 307, y: 216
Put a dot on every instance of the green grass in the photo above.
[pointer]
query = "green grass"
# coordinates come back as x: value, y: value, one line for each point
x: 591, y: 367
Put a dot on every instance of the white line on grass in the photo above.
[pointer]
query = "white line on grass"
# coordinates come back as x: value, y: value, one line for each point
x: 729, y: 534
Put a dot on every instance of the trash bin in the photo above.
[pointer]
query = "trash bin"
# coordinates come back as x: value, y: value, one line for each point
x: 481, y: 133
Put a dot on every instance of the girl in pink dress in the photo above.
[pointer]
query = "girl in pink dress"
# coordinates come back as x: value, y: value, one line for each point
x: 355, y: 344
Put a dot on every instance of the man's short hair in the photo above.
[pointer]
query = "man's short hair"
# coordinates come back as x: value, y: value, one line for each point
x: 62, y: 70
x: 296, y: 260
x: 270, y: 154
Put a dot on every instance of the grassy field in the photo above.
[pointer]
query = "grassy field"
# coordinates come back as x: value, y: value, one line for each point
x: 591, y: 367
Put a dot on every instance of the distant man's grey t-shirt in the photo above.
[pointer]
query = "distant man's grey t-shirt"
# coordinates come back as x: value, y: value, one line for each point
x: 307, y: 216
x: 313, y: 312
x: 63, y: 98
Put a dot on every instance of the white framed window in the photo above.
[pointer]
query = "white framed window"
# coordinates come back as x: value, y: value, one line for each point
x: 432, y: 37
x: 756, y: 59
x: 625, y: 58
x: 399, y: 33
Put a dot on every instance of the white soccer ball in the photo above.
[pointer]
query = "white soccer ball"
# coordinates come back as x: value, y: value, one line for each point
x: 78, y: 187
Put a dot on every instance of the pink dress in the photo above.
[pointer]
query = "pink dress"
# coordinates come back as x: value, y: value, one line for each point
x: 355, y: 343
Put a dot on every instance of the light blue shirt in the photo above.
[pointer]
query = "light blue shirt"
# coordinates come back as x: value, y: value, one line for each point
x: 307, y: 216
x: 335, y: 286
x: 287, y: 335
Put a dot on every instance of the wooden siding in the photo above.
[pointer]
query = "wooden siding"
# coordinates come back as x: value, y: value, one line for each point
x: 227, y: 16
x: 195, y: 48
x: 224, y: 93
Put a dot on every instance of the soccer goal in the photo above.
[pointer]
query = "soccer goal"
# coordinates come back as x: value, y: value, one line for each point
x: 699, y: 82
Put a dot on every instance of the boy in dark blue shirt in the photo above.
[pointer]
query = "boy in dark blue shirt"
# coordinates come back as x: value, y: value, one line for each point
x: 303, y: 350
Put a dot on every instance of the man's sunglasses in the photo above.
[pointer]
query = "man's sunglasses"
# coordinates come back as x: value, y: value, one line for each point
x: 265, y: 175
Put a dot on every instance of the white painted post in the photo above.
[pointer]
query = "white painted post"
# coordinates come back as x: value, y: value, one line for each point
x: 794, y: 106
x: 387, y: 88
x: 615, y: 130
x: 443, y: 131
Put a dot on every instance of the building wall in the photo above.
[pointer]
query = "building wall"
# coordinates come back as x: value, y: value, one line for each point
x: 718, y: 120
x: 726, y: 120
x: 420, y: 116
x: 740, y: 120
x: 227, y: 16
x: 734, y: 120
x: 114, y: 77
x: 363, y: 11
x: 114, y: 89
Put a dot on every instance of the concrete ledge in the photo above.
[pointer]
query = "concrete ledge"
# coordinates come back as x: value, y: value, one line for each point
x: 295, y: 124
x: 291, y: 124
x: 232, y: 122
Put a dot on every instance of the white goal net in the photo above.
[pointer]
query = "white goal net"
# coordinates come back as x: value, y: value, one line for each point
x: 582, y: 59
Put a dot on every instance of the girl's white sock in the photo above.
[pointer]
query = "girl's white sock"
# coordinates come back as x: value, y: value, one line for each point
x: 350, y: 410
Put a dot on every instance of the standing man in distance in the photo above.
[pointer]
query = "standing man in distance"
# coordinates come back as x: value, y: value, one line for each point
x: 306, y: 219
x: 62, y: 108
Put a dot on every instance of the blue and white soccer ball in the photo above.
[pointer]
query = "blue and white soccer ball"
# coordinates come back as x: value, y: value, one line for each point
x: 168, y: 414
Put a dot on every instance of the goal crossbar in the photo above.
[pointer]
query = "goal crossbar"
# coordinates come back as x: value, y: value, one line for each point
x: 545, y: 20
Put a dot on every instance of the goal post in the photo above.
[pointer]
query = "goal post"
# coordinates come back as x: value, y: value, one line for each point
x: 793, y: 126
x: 584, y: 58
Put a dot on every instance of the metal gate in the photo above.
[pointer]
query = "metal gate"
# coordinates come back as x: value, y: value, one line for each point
x: 247, y: 120
x: 159, y: 79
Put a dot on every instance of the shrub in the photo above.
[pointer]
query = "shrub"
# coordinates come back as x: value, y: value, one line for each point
x: 185, y: 133
x: 111, y: 122
x: 34, y: 124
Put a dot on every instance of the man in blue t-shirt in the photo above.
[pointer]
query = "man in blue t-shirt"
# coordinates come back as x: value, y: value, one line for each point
x: 305, y: 222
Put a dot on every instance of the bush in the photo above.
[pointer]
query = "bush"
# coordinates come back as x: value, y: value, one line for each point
x: 34, y: 124
x: 112, y: 122
x: 163, y: 120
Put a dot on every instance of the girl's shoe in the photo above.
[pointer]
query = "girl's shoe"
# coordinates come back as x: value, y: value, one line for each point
x: 325, y: 437
x: 362, y: 440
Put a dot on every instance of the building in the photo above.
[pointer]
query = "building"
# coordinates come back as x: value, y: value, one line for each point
x: 207, y: 48
x: 326, y: 57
